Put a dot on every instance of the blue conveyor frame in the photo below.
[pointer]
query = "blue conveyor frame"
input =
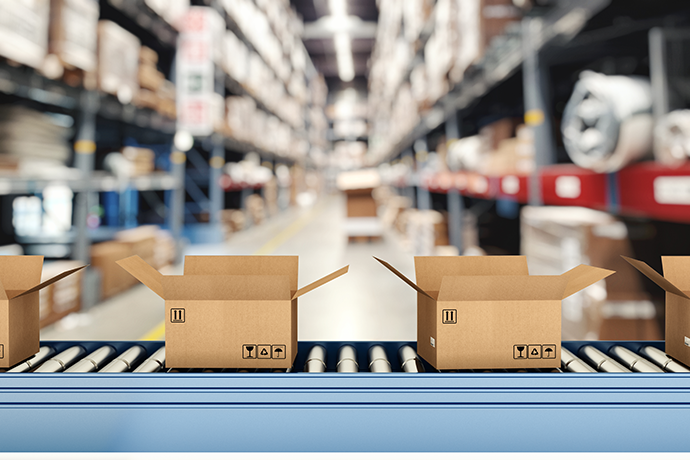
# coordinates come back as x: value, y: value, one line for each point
x: 303, y: 412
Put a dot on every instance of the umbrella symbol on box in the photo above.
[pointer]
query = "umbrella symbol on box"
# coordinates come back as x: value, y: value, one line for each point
x: 278, y: 351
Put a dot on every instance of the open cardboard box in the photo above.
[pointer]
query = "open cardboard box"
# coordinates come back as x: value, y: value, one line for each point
x: 486, y: 312
x: 676, y: 283
x: 229, y: 311
x: 20, y: 281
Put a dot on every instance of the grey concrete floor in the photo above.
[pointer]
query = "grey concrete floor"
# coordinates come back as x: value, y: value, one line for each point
x: 368, y: 304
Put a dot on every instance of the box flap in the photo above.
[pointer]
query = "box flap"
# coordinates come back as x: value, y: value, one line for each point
x: 145, y: 273
x: 582, y: 276
x: 659, y: 280
x: 3, y: 294
x: 431, y: 270
x: 49, y: 281
x: 226, y: 287
x: 19, y: 273
x: 677, y: 271
x: 321, y: 282
x: 403, y: 277
x: 244, y: 265
x: 501, y: 288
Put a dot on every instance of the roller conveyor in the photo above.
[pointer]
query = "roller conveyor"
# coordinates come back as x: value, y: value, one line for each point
x: 138, y: 405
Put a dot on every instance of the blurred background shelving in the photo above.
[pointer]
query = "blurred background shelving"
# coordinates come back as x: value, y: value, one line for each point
x: 550, y: 128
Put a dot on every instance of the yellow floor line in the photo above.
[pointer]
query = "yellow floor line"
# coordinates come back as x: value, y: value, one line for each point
x: 274, y: 243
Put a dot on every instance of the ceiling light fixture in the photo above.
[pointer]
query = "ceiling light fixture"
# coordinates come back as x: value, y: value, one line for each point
x: 341, y: 39
x: 343, y: 54
x: 338, y: 8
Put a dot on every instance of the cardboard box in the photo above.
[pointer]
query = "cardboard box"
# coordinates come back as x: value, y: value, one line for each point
x: 676, y: 283
x: 118, y: 61
x: 20, y: 281
x: 24, y: 31
x: 488, y: 313
x: 229, y: 311
x: 73, y: 36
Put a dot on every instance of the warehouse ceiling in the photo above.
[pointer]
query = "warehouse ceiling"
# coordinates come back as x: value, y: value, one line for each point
x: 318, y: 34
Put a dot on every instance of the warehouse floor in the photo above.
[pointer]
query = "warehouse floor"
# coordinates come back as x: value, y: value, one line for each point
x: 369, y: 303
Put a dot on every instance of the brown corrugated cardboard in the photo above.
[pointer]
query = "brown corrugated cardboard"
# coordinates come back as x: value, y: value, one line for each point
x: 229, y: 311
x: 676, y: 283
x: 488, y: 313
x: 20, y: 281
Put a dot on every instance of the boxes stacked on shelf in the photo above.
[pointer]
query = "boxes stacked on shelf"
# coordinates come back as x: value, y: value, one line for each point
x: 73, y: 39
x: 155, y: 92
x: 275, y: 75
x: 29, y: 139
x: 118, y: 61
x: 501, y: 148
x: 439, y: 51
x: 62, y: 297
x: 24, y: 31
x: 508, y: 154
x: 460, y: 31
x: 555, y: 239
x: 246, y: 123
x: 142, y: 160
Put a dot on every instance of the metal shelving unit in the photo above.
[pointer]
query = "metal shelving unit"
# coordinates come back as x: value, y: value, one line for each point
x: 646, y: 189
x: 90, y: 109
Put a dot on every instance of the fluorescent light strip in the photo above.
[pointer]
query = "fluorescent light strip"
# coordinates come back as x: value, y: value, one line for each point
x: 343, y: 54
x: 338, y: 8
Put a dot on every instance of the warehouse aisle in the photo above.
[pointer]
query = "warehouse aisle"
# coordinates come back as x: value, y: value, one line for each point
x: 368, y: 303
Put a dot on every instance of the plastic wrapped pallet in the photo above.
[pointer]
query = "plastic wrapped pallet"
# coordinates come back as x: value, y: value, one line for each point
x: 118, y: 61
x: 24, y: 31
x: 607, y: 123
x: 672, y: 138
x: 73, y: 33
x: 28, y: 136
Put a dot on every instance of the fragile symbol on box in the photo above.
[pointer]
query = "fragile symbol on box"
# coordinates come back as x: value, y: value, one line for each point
x: 520, y: 351
x: 177, y: 315
x: 248, y: 351
x: 450, y: 316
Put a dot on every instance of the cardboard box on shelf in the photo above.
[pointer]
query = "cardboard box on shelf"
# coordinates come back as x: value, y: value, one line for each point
x: 676, y: 283
x: 20, y: 283
x: 229, y: 311
x: 118, y: 61
x: 24, y: 31
x: 488, y: 313
x: 73, y: 36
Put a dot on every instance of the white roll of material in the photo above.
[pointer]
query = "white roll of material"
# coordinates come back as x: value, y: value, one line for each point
x: 672, y: 138
x: 607, y: 123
